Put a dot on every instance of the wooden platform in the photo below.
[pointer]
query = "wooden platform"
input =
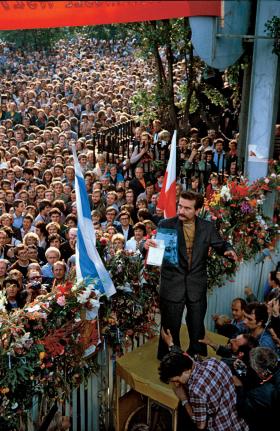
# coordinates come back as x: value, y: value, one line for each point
x: 139, y: 369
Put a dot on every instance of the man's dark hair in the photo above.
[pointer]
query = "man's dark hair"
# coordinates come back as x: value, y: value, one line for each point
x: 53, y: 237
x: 71, y: 217
x: 43, y: 204
x: 60, y: 204
x: 141, y: 226
x: 247, y: 347
x: 144, y: 213
x: 174, y: 364
x: 17, y: 202
x: 273, y: 277
x: 260, y: 311
x: 11, y: 280
x: 28, y: 217
x: 193, y: 196
x: 28, y: 171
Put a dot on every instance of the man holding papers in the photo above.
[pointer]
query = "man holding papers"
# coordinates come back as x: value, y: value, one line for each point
x: 184, y: 279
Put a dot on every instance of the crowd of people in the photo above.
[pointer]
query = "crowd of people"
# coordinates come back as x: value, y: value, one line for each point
x: 51, y: 102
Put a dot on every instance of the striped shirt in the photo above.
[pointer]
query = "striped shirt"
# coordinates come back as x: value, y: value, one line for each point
x: 212, y: 397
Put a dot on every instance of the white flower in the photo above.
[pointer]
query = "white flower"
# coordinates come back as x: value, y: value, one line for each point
x: 24, y: 338
x: 266, y: 180
x: 273, y: 175
x: 225, y: 193
x: 35, y: 307
x: 82, y: 298
x: 94, y: 303
x: 3, y: 301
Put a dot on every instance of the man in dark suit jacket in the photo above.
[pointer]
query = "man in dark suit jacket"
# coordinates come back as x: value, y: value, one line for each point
x: 125, y: 228
x: 185, y: 284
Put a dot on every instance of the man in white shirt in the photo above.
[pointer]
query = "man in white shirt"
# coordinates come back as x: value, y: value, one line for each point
x: 136, y: 243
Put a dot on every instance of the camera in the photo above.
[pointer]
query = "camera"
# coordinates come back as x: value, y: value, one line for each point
x: 36, y: 285
x: 240, y: 369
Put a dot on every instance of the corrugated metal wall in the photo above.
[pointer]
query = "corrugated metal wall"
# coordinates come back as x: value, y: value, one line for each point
x: 249, y: 274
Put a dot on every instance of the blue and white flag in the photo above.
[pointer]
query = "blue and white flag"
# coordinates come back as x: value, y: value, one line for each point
x: 88, y: 262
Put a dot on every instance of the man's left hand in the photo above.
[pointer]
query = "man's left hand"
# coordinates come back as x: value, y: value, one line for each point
x: 231, y: 255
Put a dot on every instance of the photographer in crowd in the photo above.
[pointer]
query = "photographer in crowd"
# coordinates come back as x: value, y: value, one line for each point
x: 259, y: 406
x: 205, y: 390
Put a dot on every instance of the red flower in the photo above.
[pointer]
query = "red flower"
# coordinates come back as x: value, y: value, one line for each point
x: 64, y: 289
x: 103, y: 241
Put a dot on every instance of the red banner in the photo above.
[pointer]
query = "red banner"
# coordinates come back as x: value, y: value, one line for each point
x: 45, y: 14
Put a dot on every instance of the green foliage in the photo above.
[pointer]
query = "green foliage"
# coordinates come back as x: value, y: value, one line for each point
x: 106, y: 31
x: 144, y: 106
x: 213, y: 95
x: 34, y: 39
x: 183, y: 92
x: 272, y: 27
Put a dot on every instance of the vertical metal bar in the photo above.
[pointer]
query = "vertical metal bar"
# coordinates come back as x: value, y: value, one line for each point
x: 30, y: 424
x: 118, y: 395
x: 67, y: 408
x: 89, y: 403
x: 82, y: 407
x: 95, y: 403
x: 35, y: 410
x: 75, y: 410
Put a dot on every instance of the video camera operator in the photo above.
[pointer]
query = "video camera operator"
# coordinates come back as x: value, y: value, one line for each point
x: 259, y: 405
x: 34, y: 286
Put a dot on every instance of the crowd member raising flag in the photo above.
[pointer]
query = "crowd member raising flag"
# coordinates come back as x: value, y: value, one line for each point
x: 167, y: 198
x: 88, y: 262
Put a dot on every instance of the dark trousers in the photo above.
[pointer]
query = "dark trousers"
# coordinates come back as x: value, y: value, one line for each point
x: 171, y: 318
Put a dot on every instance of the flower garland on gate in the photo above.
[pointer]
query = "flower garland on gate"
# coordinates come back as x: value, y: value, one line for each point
x: 237, y: 210
x: 43, y: 345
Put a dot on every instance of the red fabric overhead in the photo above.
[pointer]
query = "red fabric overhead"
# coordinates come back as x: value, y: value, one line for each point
x: 44, y: 14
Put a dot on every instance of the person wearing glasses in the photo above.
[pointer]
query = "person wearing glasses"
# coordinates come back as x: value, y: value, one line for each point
x: 34, y: 286
x: 125, y: 227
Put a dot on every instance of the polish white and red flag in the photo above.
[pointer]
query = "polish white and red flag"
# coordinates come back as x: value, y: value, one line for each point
x: 167, y: 197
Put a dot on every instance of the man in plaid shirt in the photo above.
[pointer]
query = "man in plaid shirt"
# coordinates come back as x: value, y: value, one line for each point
x: 205, y: 389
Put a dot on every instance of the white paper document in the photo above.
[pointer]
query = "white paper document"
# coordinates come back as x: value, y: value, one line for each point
x: 155, y: 254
